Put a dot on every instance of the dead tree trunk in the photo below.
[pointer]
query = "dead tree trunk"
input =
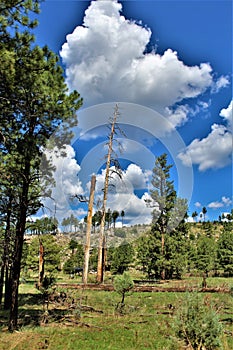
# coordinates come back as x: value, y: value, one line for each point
x: 88, y: 230
x: 100, y: 267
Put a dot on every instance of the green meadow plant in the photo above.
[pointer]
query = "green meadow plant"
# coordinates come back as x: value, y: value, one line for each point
x: 198, y: 324
x: 123, y: 285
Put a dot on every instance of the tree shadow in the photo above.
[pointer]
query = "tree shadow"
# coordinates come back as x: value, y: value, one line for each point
x: 36, y: 318
x: 35, y: 310
x: 30, y: 299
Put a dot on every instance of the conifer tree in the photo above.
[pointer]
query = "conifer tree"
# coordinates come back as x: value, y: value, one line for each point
x: 34, y: 101
x: 162, y: 250
x: 164, y: 195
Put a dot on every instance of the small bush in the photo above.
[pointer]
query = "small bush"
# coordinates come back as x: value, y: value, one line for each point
x: 119, y: 233
x: 123, y: 284
x: 198, y: 324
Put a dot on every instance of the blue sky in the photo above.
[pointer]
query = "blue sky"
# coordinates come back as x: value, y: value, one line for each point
x: 172, y: 61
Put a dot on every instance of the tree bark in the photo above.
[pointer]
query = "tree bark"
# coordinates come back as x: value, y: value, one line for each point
x: 5, y: 257
x: 100, y: 268
x: 2, y: 280
x: 88, y: 230
x: 7, y: 300
x: 100, y: 250
x: 18, y: 248
x: 41, y: 264
x: 162, y: 253
x: 162, y: 247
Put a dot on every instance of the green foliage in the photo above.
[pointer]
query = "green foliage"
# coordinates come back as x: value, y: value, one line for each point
x: 174, y: 260
x: 168, y: 227
x: 204, y: 211
x: 198, y: 324
x: 225, y: 251
x: 162, y: 253
x: 115, y: 215
x: 52, y: 253
x: 34, y: 102
x: 46, y: 225
x: 204, y: 248
x: 76, y: 260
x: 96, y: 218
x: 191, y: 253
x: 122, y: 257
x: 24, y: 255
x: 206, y: 254
x: 93, y: 259
x: 149, y: 255
x: 119, y: 232
x: 47, y: 284
x: 123, y: 285
x: 175, y: 255
x: 70, y: 223
x: 133, y: 231
x: 194, y: 214
x: 147, y: 322
x: 73, y: 244
x: 69, y: 265
x: 14, y: 13
x: 163, y: 193
x: 47, y: 288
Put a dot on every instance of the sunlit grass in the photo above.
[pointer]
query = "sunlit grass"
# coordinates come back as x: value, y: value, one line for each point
x: 147, y: 322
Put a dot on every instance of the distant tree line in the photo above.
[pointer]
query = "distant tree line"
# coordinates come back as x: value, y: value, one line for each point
x: 169, y: 249
x: 200, y: 255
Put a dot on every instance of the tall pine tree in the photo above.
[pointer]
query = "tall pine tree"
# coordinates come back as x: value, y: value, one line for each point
x: 34, y: 101
x: 162, y: 251
x: 164, y: 195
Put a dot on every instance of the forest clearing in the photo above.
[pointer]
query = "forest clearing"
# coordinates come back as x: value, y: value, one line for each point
x: 116, y: 219
x: 89, y: 319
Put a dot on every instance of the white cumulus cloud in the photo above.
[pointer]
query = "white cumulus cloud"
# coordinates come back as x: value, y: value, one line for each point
x: 215, y: 150
x: 225, y: 202
x: 66, y: 179
x: 220, y: 83
x: 226, y: 113
x: 215, y: 205
x: 122, y: 195
x: 106, y: 60
x: 136, y: 176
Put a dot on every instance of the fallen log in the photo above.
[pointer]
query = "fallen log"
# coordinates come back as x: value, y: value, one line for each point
x: 88, y: 308
x: 144, y: 288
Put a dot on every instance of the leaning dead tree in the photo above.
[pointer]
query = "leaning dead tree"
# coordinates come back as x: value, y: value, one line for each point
x: 88, y: 230
x: 90, y: 201
x: 102, y: 239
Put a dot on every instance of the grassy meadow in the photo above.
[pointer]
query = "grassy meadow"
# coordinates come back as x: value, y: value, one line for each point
x: 87, y: 319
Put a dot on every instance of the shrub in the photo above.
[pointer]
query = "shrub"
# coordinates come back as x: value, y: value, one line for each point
x: 122, y: 257
x: 198, y: 324
x: 119, y: 233
x: 123, y: 284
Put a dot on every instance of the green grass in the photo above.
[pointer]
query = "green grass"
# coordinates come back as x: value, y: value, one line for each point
x: 147, y: 322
